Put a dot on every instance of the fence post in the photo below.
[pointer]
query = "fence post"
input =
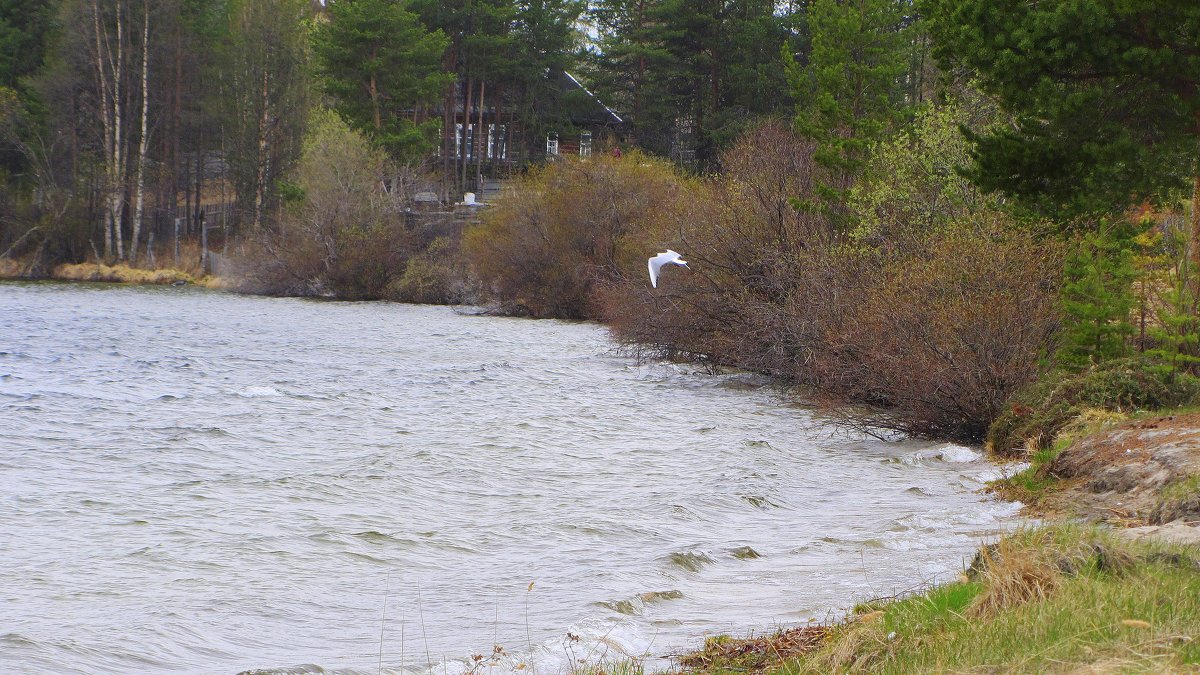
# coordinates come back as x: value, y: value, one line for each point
x: 203, y: 244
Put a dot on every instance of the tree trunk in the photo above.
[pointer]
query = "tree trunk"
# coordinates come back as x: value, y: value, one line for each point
x: 106, y: 121
x: 465, y: 133
x: 264, y: 147
x: 139, y: 195
x: 480, y: 144
x: 1196, y: 226
x: 374, y: 90
x: 448, y: 131
x: 197, y: 186
x: 118, y: 161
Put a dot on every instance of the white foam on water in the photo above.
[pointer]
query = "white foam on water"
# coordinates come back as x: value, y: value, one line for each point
x: 959, y: 454
x: 259, y: 392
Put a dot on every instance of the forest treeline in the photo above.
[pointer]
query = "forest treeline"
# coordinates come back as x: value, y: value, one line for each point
x: 920, y: 205
x: 123, y: 120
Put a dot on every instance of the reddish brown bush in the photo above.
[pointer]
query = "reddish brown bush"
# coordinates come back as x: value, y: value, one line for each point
x: 936, y: 329
x: 941, y: 338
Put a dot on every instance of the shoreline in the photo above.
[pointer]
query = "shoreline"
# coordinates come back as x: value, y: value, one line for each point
x: 1117, y: 548
x: 119, y: 273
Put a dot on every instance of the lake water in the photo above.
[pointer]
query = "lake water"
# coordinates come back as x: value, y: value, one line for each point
x: 202, y: 482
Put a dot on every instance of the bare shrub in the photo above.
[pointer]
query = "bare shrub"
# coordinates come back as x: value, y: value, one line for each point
x: 346, y: 236
x: 434, y: 276
x: 941, y: 338
x: 936, y: 324
x: 753, y: 255
x: 936, y: 328
x: 573, y: 225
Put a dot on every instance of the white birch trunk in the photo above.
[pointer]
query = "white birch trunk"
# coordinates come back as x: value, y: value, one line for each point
x: 141, y: 170
x: 106, y: 120
x: 117, y: 200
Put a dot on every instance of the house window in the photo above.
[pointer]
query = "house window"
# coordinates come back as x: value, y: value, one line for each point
x: 585, y: 144
x: 551, y: 144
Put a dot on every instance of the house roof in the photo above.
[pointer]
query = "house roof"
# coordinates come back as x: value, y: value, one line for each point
x: 594, y: 111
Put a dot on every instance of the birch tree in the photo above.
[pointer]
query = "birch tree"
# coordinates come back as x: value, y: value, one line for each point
x: 108, y: 57
x: 140, y: 188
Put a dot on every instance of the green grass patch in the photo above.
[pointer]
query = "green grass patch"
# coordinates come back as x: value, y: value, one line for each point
x: 1053, y: 599
x: 1180, y: 499
x: 1032, y: 485
x: 928, y: 611
x: 1188, y: 488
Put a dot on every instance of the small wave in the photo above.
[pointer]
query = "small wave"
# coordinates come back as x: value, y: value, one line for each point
x: 16, y: 639
x: 987, y: 514
x: 367, y: 558
x: 856, y: 543
x: 744, y: 553
x: 302, y: 669
x: 911, y: 459
x: 689, y: 560
x: 742, y: 381
x: 760, y: 502
x: 376, y: 537
x: 636, y: 605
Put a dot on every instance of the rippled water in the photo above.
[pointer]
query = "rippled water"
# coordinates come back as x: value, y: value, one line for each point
x: 202, y: 482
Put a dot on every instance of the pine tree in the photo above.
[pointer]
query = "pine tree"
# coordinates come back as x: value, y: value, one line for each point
x: 1103, y: 96
x: 384, y: 70
x: 705, y: 69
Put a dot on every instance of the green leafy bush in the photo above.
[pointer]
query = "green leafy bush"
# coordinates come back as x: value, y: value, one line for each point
x: 1035, y: 416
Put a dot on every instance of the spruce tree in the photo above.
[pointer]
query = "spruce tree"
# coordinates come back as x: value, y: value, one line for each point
x: 1097, y: 296
x: 851, y: 90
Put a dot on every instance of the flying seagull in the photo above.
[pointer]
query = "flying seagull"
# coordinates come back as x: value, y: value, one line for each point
x: 667, y: 257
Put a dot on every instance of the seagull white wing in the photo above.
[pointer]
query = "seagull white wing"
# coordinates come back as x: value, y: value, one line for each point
x: 655, y: 264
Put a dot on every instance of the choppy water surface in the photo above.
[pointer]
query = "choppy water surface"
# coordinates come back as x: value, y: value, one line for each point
x: 202, y: 482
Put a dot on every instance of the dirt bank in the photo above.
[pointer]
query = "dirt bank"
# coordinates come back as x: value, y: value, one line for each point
x: 1142, y: 475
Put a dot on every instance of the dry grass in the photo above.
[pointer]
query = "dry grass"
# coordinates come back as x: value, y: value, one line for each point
x: 754, y: 654
x: 1032, y: 565
x: 120, y: 274
x: 10, y: 269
